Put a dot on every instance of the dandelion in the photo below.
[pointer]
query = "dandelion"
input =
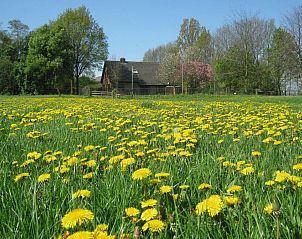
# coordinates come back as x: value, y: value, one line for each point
x: 184, y: 186
x: 281, y: 176
x: 162, y: 174
x: 204, y: 186
x: 155, y: 181
x: 140, y: 174
x: 89, y: 148
x: 34, y: 155
x: 231, y: 200
x: 88, y: 175
x: 269, y: 183
x: 247, y: 170
x: 297, y: 166
x: 127, y: 162
x: 154, y: 226
x: 165, y: 189
x: 43, y: 177
x: 101, y: 228
x: 21, y: 176
x: 234, y: 188
x: 149, y: 214
x: 81, y: 235
x: 148, y: 203
x: 213, y: 205
x: 268, y: 209
x: 81, y: 194
x: 132, y: 211
x: 77, y: 217
x: 256, y: 153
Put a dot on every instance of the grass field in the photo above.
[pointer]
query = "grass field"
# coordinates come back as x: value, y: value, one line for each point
x: 151, y: 167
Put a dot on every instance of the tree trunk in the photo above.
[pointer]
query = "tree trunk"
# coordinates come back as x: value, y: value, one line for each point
x: 77, y: 85
x: 71, y: 86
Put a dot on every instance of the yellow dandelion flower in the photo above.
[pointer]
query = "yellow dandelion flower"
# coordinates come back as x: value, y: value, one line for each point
x: 34, y: 155
x: 294, y: 179
x: 127, y: 162
x: 155, y: 181
x: 21, y: 176
x: 213, y: 205
x: 269, y: 183
x: 149, y: 214
x: 84, y: 193
x: 132, y: 211
x: 140, y: 174
x: 76, y: 217
x: 234, y: 188
x: 175, y: 196
x: 89, y: 148
x: 204, y: 186
x: 298, y: 166
x: 100, y: 235
x: 148, y: 203
x: 43, y: 177
x: 27, y: 162
x: 281, y: 176
x: 231, y: 200
x: 154, y: 226
x: 81, y: 235
x: 247, y: 170
x: 184, y: 186
x: 162, y: 174
x: 256, y: 153
x: 165, y: 189
x: 268, y: 209
x: 101, y: 228
x: 88, y: 175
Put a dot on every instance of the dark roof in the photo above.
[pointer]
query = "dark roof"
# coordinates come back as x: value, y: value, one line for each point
x: 145, y: 73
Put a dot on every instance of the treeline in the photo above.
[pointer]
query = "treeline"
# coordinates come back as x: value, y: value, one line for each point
x: 53, y: 57
x: 247, y: 54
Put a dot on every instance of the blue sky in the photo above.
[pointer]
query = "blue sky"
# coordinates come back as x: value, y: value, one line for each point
x: 134, y: 26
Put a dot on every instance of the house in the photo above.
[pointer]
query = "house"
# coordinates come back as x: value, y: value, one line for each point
x: 129, y: 77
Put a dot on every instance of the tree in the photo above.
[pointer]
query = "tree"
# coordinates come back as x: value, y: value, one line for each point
x: 88, y: 45
x: 157, y: 54
x: 189, y: 33
x: 204, y: 47
x: 13, y: 49
x: 282, y: 57
x: 249, y: 37
x: 169, y: 68
x: 293, y: 24
x: 197, y: 74
x: 48, y: 60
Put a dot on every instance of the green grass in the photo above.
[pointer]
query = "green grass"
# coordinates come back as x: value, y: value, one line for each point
x: 34, y: 210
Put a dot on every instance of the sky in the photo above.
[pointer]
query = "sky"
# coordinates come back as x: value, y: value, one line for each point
x: 134, y: 26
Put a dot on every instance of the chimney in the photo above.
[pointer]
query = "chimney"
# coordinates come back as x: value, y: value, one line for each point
x: 122, y: 60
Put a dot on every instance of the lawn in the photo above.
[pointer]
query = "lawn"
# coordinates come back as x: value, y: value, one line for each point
x: 151, y: 167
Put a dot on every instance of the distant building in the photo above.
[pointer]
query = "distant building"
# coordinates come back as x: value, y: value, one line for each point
x: 128, y: 76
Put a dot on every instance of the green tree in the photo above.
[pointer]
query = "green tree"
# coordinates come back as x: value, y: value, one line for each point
x: 48, y: 60
x: 282, y: 57
x: 231, y: 71
x: 88, y: 45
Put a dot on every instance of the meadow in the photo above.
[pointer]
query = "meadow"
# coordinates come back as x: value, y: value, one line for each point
x: 151, y: 167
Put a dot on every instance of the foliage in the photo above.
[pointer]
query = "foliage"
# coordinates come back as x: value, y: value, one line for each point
x: 87, y: 41
x: 47, y: 59
x: 157, y: 54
